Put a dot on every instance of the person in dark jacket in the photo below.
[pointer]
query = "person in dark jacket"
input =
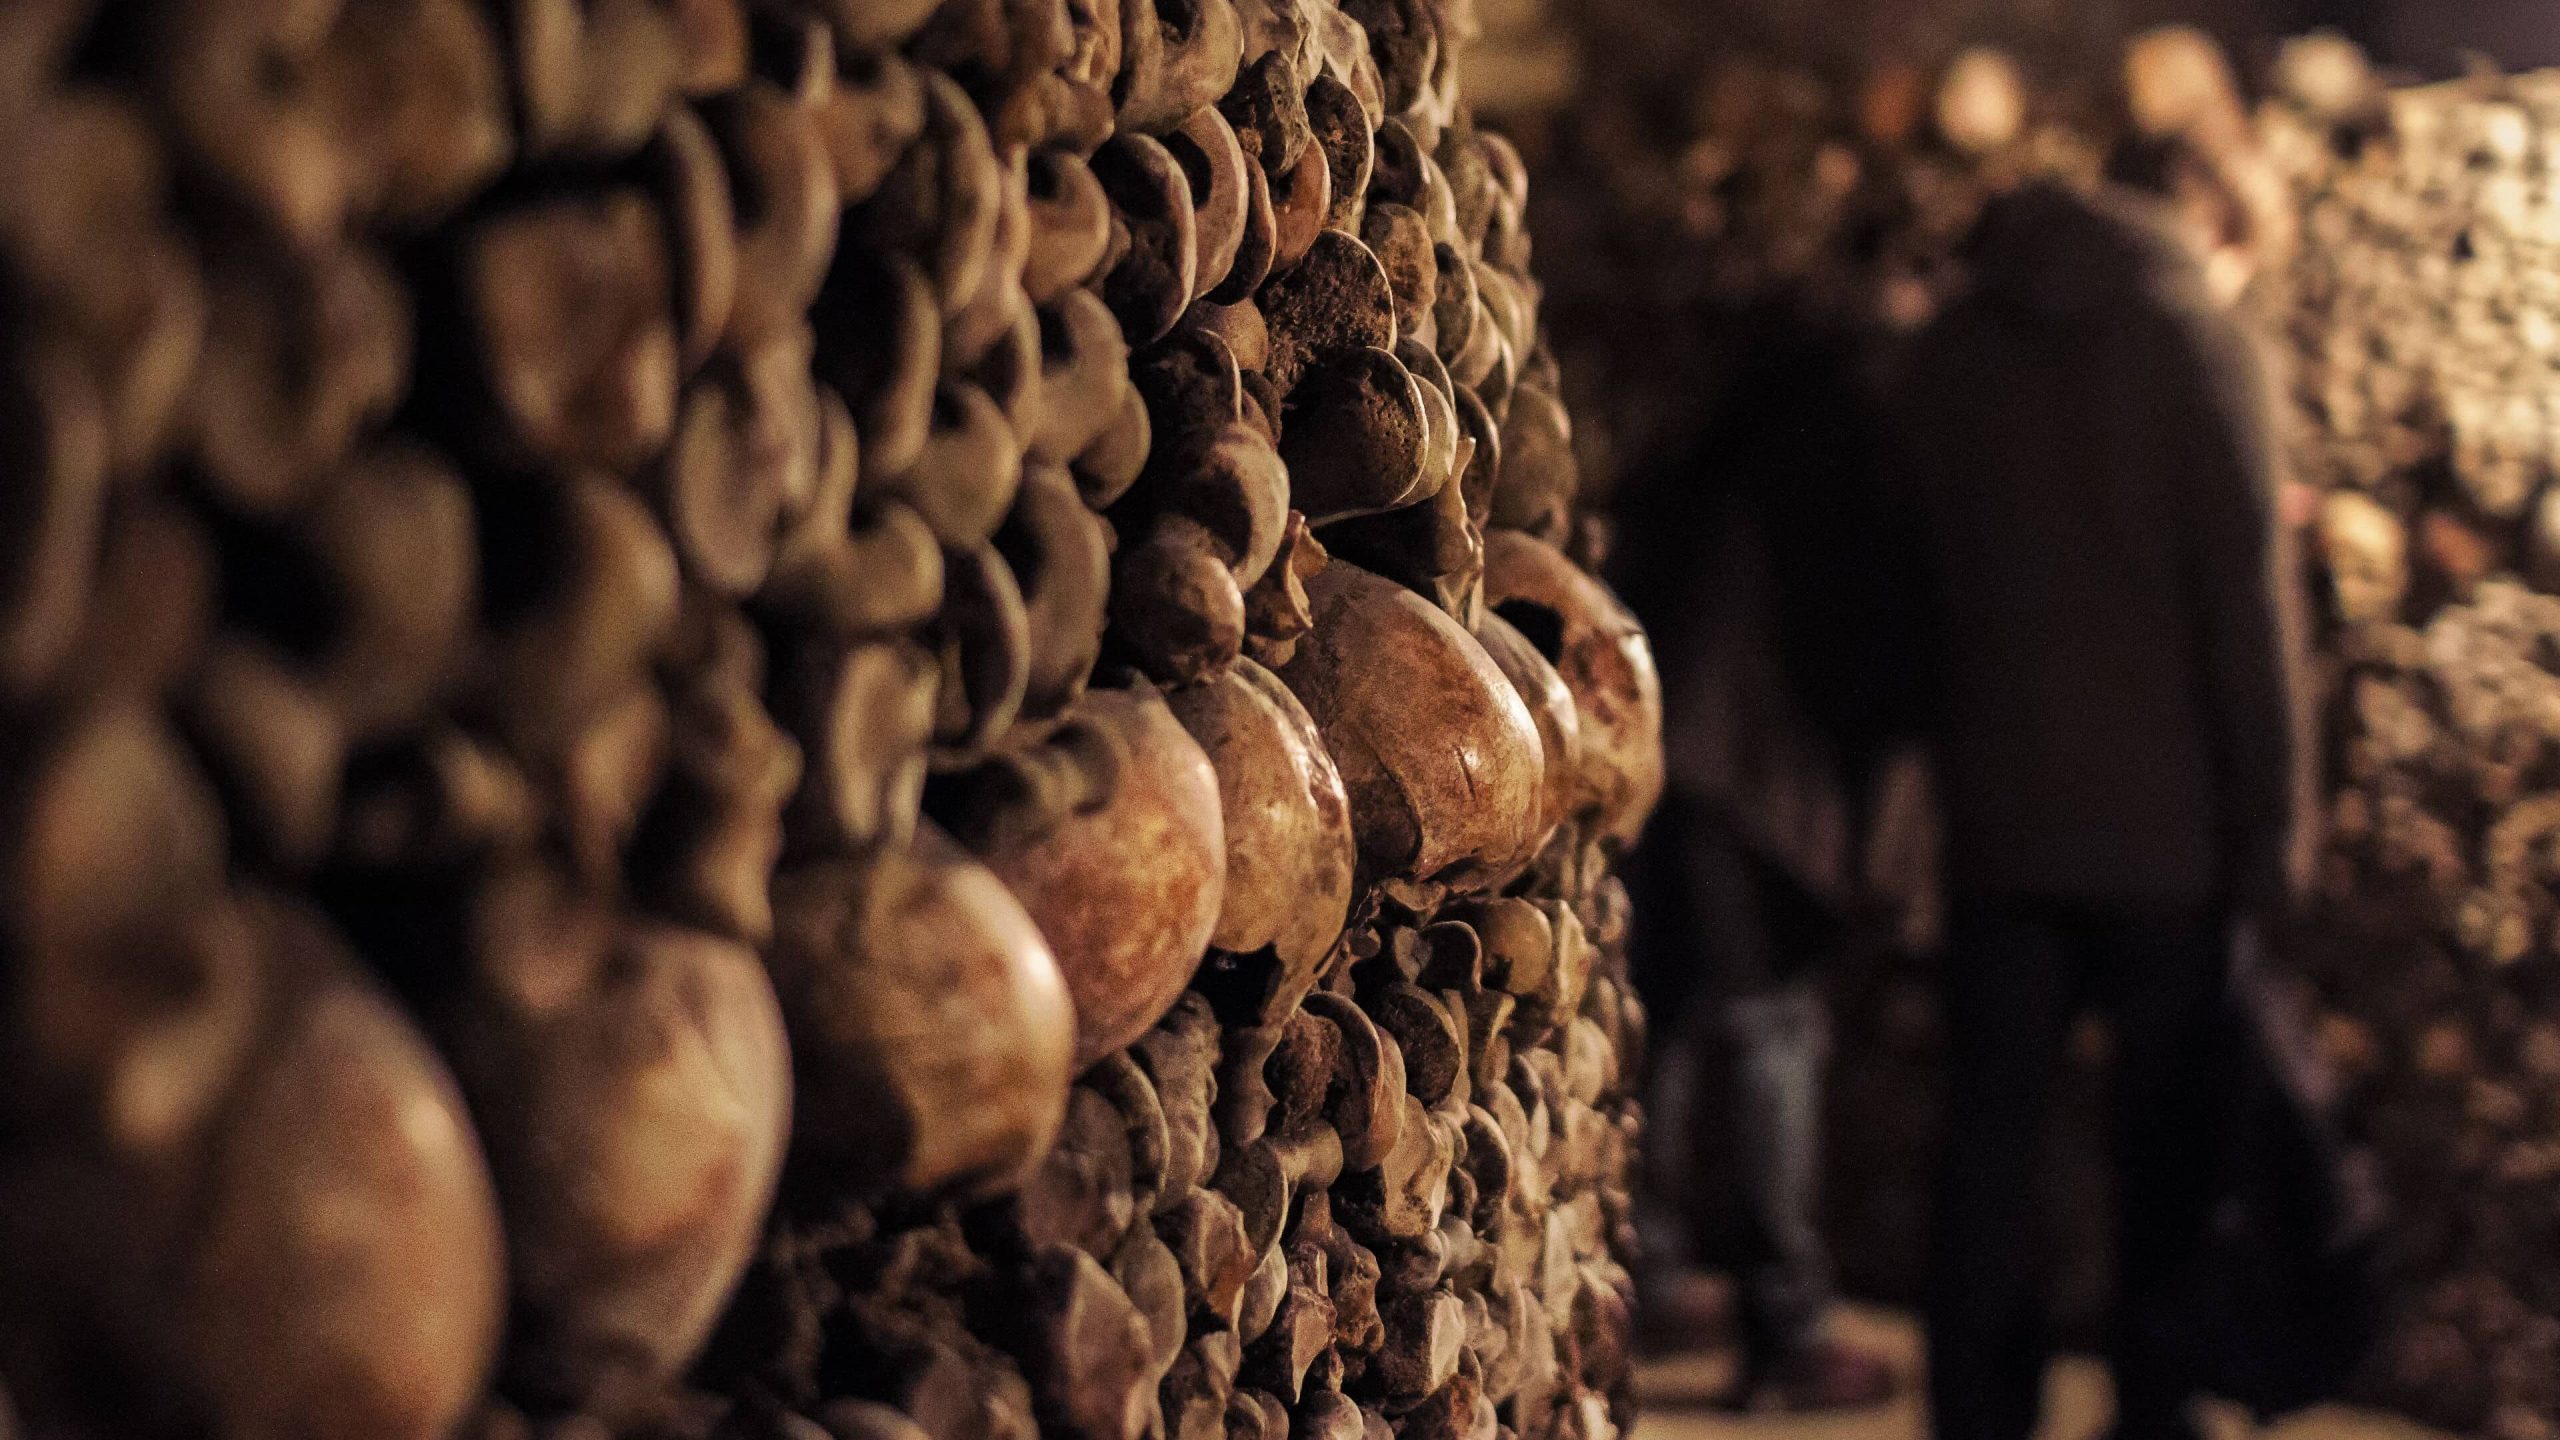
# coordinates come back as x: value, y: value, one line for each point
x: 1752, y: 571
x: 2112, y: 635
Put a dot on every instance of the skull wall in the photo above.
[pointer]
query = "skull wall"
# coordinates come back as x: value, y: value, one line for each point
x: 2421, y: 317
x: 787, y: 718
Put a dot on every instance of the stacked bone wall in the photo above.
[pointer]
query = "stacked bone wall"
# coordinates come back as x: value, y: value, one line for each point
x: 797, y: 718
x: 2421, y: 317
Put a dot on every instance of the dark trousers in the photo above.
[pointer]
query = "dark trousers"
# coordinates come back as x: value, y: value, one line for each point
x: 2019, y: 973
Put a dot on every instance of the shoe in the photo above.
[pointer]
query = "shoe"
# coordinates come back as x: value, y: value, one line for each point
x: 1683, y: 1312
x: 1833, y: 1375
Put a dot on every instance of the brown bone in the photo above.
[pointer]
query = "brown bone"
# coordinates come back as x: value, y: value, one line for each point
x: 1425, y: 1336
x: 1059, y: 551
x: 1195, y: 1393
x: 1070, y: 224
x: 1128, y: 893
x: 115, y: 842
x: 1077, y: 1195
x: 940, y: 203
x: 1107, y: 468
x: 869, y: 109
x: 1122, y: 1081
x: 1301, y: 200
x: 1268, y: 110
x: 56, y: 445
x: 1214, y: 165
x: 1178, y: 55
x: 1181, y: 1057
x: 1175, y: 603
x: 1087, y: 1350
x: 1152, y: 1279
x: 1356, y: 437
x: 1276, y: 610
x: 1265, y: 1178
x: 1401, y: 240
x: 784, y: 193
x: 1257, y: 242
x: 706, y: 851
x: 1206, y: 1233
x: 421, y: 99
x: 1421, y: 806
x: 275, y: 744
x: 844, y: 577
x: 316, y: 353
x: 723, y: 509
x: 984, y: 634
x: 1342, y: 129
x: 1009, y: 361
x: 969, y: 333
x: 393, y: 537
x: 1481, y: 476
x: 634, y: 1090
x: 596, y: 615
x: 880, y: 347
x: 1333, y: 303
x: 1156, y: 271
x: 593, y: 75
x: 91, y: 254
x: 693, y: 193
x: 964, y: 479
x: 1346, y: 59
x: 930, y: 1029
x: 1550, y: 702
x: 246, y: 89
x: 572, y: 309
x: 348, y: 1269
x: 1288, y: 825
x: 1084, y: 377
x: 1604, y: 659
x: 1539, y: 475
x: 1365, y: 1102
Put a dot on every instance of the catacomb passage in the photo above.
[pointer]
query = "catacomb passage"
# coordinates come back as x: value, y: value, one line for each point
x: 2417, y: 323
x: 793, y: 718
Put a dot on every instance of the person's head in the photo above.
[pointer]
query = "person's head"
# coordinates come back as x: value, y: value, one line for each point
x: 2205, y: 204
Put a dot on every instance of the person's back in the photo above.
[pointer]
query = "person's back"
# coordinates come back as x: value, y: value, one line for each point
x: 2106, y: 596
x: 2082, y: 443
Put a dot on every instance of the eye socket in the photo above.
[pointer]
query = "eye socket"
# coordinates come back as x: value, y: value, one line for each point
x: 1540, y: 625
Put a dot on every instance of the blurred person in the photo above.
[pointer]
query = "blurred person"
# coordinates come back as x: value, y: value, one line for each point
x: 2106, y: 604
x: 1749, y: 564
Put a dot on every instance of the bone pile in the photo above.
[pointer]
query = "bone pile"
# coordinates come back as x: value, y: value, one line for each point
x: 2424, y: 317
x: 796, y: 718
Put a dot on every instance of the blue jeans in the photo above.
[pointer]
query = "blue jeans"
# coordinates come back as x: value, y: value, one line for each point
x: 1752, y: 1005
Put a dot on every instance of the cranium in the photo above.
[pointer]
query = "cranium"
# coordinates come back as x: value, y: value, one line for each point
x: 1438, y: 754
x: 1606, y: 662
x: 1288, y: 824
x: 930, y: 1028
x: 1128, y: 889
x: 350, y: 1269
x: 633, y: 1086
